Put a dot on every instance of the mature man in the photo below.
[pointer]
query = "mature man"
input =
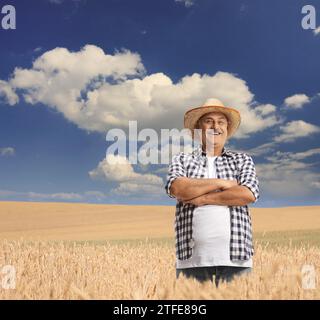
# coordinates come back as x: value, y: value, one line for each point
x: 213, y: 187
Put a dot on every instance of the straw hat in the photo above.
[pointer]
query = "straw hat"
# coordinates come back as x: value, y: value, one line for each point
x: 213, y: 105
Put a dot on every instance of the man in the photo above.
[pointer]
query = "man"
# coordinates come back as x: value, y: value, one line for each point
x: 213, y: 187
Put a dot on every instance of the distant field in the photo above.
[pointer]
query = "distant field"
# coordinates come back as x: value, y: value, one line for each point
x: 94, y: 222
x: 295, y: 238
x: 298, y: 238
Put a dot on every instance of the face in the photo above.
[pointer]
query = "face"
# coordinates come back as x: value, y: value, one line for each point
x: 214, y: 127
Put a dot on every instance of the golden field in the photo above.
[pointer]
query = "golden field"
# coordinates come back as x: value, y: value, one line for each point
x: 145, y: 271
x: 68, y: 251
x: 72, y: 221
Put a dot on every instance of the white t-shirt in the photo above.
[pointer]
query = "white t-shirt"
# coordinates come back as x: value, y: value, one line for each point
x: 211, y: 234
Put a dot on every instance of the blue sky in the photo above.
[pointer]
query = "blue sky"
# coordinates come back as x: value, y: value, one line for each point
x: 150, y: 61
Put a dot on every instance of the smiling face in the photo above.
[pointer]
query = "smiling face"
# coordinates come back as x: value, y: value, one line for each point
x: 214, y: 126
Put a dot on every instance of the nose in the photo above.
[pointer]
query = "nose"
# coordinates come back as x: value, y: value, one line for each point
x: 214, y: 126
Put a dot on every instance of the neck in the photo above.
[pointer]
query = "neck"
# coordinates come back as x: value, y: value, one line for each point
x: 216, y: 151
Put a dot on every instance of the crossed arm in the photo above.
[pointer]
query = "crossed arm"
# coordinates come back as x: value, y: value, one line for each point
x: 201, y: 192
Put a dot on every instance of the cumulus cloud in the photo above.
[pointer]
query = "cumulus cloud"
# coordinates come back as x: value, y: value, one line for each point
x: 297, y: 101
x: 115, y: 168
x: 290, y: 174
x: 8, y: 93
x: 265, y: 109
x: 99, y: 91
x: 289, y: 132
x: 7, y: 151
x: 305, y: 154
x: 87, y: 196
x: 55, y: 196
x: 316, y: 184
x: 56, y: 1
x: 296, y: 129
x: 286, y: 174
x: 256, y: 151
x: 160, y: 150
x: 187, y: 3
x: 119, y: 169
x: 66, y: 196
x: 316, y: 31
x: 61, y: 1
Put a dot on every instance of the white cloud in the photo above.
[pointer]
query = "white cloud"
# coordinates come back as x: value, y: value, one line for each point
x: 41, y: 196
x: 305, y: 154
x: 61, y: 1
x: 55, y: 196
x: 118, y: 169
x: 296, y: 129
x: 244, y: 8
x: 99, y: 91
x: 316, y: 31
x: 316, y: 184
x: 262, y: 149
x: 187, y: 3
x: 138, y: 189
x: 293, y: 159
x: 265, y: 109
x: 96, y: 194
x: 8, y: 93
x: 163, y: 150
x: 7, y: 151
x: 87, y: 196
x: 163, y: 170
x: 278, y: 180
x: 288, y: 133
x: 286, y: 174
x: 297, y: 101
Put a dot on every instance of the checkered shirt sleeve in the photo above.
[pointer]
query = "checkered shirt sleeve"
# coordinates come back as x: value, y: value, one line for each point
x: 247, y: 176
x: 176, y: 170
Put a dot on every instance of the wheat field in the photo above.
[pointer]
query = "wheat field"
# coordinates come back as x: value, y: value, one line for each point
x: 80, y: 221
x: 145, y: 270
x: 75, y: 251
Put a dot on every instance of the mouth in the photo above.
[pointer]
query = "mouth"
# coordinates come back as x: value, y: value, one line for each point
x: 214, y: 133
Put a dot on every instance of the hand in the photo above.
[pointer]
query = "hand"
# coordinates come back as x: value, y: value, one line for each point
x: 226, y: 184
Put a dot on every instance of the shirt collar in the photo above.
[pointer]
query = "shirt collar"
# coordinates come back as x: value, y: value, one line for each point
x: 199, y: 153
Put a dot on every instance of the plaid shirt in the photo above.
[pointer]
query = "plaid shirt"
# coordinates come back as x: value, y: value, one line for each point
x: 230, y: 165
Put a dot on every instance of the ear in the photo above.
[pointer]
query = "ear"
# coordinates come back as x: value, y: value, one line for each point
x: 197, y: 125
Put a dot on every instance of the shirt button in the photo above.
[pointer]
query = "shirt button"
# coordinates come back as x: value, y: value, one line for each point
x: 191, y: 243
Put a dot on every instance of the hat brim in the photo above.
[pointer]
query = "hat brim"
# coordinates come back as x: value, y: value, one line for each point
x: 233, y: 115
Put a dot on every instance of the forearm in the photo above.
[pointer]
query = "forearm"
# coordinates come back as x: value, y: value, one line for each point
x: 234, y: 196
x: 188, y: 188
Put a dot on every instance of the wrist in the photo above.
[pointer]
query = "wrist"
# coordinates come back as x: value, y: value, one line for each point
x: 221, y: 184
x: 210, y: 198
x: 204, y: 199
